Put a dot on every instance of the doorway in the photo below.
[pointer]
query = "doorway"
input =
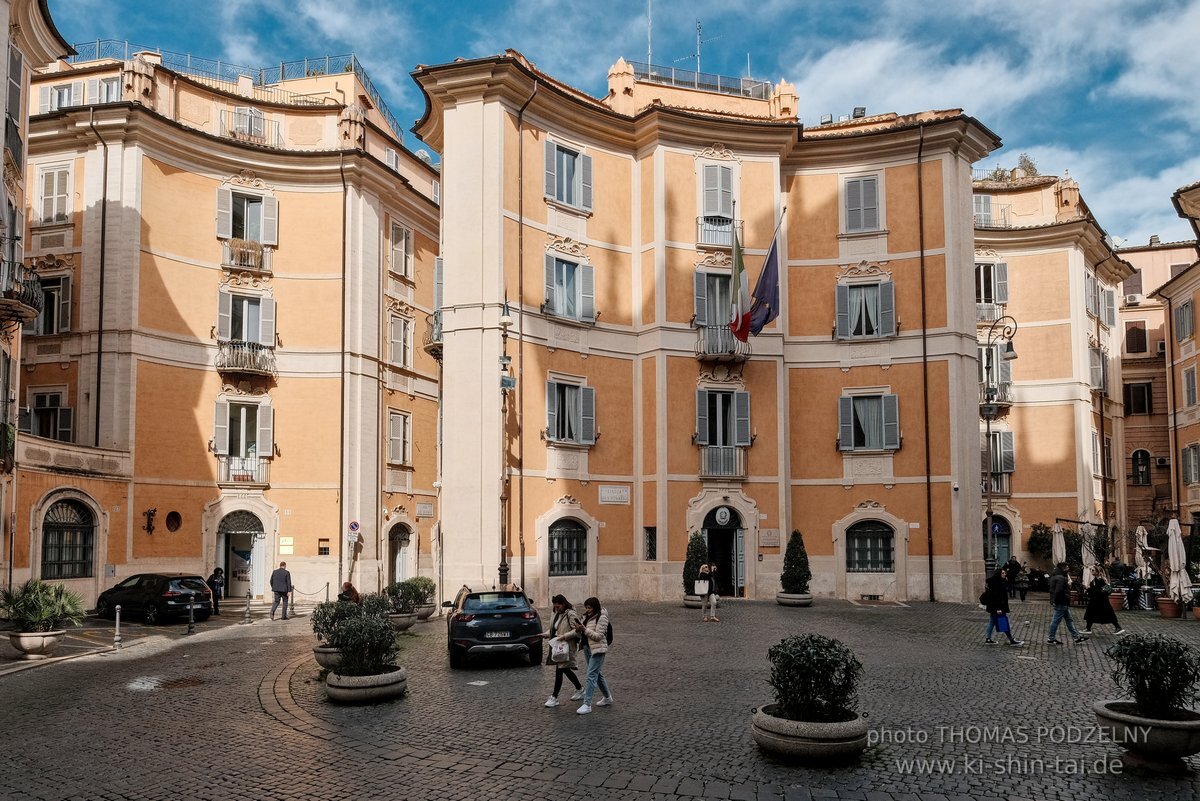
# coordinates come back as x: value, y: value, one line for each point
x: 240, y: 538
x: 726, y: 549
x: 399, y: 538
x: 1002, y: 533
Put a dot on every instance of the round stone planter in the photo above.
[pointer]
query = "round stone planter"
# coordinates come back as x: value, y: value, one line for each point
x: 402, y: 621
x: 327, y: 656
x: 425, y: 611
x: 366, y: 689
x: 36, y: 644
x: 1117, y: 601
x: 793, y: 598
x: 1168, y: 607
x: 803, y: 741
x: 1158, y: 745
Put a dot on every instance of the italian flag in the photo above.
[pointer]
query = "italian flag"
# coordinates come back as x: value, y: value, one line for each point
x: 740, y: 322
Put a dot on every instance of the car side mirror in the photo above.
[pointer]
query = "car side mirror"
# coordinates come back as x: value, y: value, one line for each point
x: 447, y: 604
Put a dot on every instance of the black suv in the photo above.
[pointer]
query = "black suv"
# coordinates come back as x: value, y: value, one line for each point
x: 490, y: 622
x: 157, y: 596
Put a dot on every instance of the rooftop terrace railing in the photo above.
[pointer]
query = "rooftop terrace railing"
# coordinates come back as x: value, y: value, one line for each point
x: 704, y: 81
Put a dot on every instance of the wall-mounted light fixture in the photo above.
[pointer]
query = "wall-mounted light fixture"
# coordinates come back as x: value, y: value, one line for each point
x: 149, y: 514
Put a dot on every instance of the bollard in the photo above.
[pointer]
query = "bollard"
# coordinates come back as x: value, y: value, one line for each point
x: 246, y: 615
x: 117, y: 633
x: 191, y: 613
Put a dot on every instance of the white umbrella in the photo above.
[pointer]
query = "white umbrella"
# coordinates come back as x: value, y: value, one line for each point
x: 1181, y: 582
x: 1139, y: 554
x: 1089, y: 557
x: 1058, y: 546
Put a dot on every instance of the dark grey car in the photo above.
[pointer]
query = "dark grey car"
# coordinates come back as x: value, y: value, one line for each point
x: 157, y: 596
x: 492, y: 622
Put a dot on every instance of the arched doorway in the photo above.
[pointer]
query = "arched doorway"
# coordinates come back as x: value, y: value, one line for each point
x: 727, y: 549
x: 1002, y: 532
x: 399, y: 540
x: 68, y: 540
x: 240, y: 537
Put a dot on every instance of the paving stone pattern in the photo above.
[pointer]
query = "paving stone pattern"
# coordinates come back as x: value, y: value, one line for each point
x: 239, y: 712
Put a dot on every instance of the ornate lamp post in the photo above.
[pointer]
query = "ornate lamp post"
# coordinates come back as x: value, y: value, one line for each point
x: 1004, y: 328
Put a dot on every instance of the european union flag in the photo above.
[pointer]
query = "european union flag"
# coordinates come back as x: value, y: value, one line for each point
x: 765, y: 307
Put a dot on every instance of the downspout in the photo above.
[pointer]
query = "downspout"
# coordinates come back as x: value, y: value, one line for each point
x: 521, y: 325
x: 1172, y: 430
x: 342, y: 539
x: 925, y: 362
x: 100, y: 301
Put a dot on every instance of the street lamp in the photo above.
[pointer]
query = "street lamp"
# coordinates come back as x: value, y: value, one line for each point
x: 1002, y: 328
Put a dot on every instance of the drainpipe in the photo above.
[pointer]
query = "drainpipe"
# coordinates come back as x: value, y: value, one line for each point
x: 925, y: 362
x: 100, y: 303
x: 342, y: 540
x: 521, y: 325
x: 1172, y: 430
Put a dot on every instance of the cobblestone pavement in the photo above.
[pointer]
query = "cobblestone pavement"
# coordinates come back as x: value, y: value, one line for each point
x: 239, y: 712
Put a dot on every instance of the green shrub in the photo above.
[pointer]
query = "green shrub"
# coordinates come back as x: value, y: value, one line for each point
x: 39, y: 606
x: 697, y: 554
x: 426, y: 587
x: 796, y: 573
x: 367, y: 643
x: 1041, y: 541
x: 405, y: 596
x: 377, y: 604
x: 815, y: 678
x: 1161, y: 674
x: 326, y: 616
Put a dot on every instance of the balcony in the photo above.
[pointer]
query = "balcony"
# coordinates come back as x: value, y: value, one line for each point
x: 249, y: 358
x: 722, y: 461
x: 245, y: 254
x: 243, y: 471
x: 251, y: 128
x: 14, y: 147
x: 1000, y: 216
x: 717, y: 232
x: 716, y: 343
x: 1001, y: 484
x: 988, y: 313
x: 21, y: 297
x: 1001, y: 393
x: 433, y: 335
x: 704, y: 81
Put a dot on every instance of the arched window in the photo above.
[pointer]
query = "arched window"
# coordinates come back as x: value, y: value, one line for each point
x: 869, y: 548
x: 68, y: 535
x: 568, y: 548
x: 1141, y: 468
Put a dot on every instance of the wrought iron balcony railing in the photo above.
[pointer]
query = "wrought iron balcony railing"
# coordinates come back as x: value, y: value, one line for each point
x: 244, y: 126
x: 1000, y: 216
x: 722, y: 461
x: 1002, y: 392
x: 243, y: 470
x: 246, y: 254
x: 717, y: 231
x: 235, y: 356
x: 433, y: 334
x: 717, y: 343
x: 1001, y: 483
x: 13, y: 143
x: 21, y: 296
x: 988, y: 312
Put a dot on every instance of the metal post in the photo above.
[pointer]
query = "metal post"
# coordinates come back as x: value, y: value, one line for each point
x: 117, y: 632
x: 989, y: 556
x: 1004, y: 327
x: 191, y: 613
x: 246, y: 614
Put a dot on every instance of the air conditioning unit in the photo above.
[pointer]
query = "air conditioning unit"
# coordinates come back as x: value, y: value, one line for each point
x: 1161, y: 347
x: 1162, y: 461
x: 1133, y: 300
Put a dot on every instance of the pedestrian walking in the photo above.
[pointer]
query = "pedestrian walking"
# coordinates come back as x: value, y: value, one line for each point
x: 1012, y: 569
x: 349, y: 594
x: 708, y: 600
x: 1060, y: 598
x: 561, y: 625
x: 996, y: 601
x: 1022, y: 581
x: 216, y: 584
x: 281, y: 585
x: 592, y: 632
x: 1099, y: 610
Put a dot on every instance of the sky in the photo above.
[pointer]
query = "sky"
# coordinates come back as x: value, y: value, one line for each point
x: 1102, y: 89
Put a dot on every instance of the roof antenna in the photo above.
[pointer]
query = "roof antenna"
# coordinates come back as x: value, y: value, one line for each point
x: 649, y: 31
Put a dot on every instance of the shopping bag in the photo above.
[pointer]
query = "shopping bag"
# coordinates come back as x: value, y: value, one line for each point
x: 1002, y: 624
x: 560, y: 651
x: 702, y: 586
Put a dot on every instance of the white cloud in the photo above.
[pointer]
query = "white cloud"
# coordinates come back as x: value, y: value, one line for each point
x: 1163, y: 64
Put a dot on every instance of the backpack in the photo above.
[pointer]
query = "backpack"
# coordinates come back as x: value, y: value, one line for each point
x: 608, y: 633
x: 983, y: 598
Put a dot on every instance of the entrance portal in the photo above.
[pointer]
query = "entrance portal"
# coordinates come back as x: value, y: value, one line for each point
x: 1002, y: 536
x: 726, y: 549
x: 240, y: 539
x: 398, y: 541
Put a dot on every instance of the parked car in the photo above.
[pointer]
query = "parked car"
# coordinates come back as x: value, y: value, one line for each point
x: 157, y: 596
x: 492, y: 622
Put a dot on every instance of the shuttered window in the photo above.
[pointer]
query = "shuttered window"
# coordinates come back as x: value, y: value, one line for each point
x: 400, y: 341
x: 1185, y: 323
x: 1099, y: 369
x: 866, y: 310
x: 401, y: 250
x: 244, y: 430
x: 398, y: 449
x: 254, y: 218
x: 55, y: 317
x: 1135, y: 336
x: 1139, y: 398
x: 862, y: 204
x: 570, y: 289
x: 1003, y: 452
x: 991, y: 282
x: 1189, y: 386
x: 570, y: 413
x: 869, y: 422
x: 718, y: 192
x: 55, y: 194
x: 568, y: 176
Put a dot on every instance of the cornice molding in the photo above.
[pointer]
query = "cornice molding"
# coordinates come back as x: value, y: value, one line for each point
x: 716, y: 151
x: 565, y: 244
x: 864, y: 269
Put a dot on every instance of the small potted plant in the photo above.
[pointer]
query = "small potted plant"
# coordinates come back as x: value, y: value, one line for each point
x: 39, y: 610
x: 367, y: 671
x: 426, y: 606
x: 697, y: 554
x: 815, y: 716
x: 1158, y: 727
x: 403, y: 599
x: 796, y: 574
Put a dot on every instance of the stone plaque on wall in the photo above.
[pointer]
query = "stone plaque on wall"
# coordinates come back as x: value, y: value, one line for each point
x: 768, y: 537
x: 424, y: 509
x: 614, y: 494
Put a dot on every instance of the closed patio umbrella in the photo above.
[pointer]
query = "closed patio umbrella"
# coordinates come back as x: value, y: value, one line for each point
x: 1181, y: 582
x: 1058, y: 546
x: 1089, y: 556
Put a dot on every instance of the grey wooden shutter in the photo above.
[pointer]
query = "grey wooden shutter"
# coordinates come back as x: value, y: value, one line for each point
x: 438, y: 267
x: 725, y: 206
x: 846, y: 423
x: 1089, y: 287
x: 270, y: 221
x: 551, y: 410
x: 700, y: 307
x: 266, y: 322
x: 712, y: 191
x: 843, y: 311
x: 77, y: 93
x: 891, y: 422
x: 702, y: 417
x: 870, y: 201
x: 587, y: 417
x: 1097, y: 359
x: 550, y: 153
x: 854, y: 212
x: 1008, y: 459
x: 221, y: 429
x: 44, y: 100
x: 585, y: 172
x: 985, y: 466
x: 224, y: 212
x: 1005, y: 370
x: 983, y: 209
x: 551, y: 290
x: 66, y: 417
x: 1110, y: 307
x: 587, y: 293
x: 93, y: 91
x: 395, y: 438
x: 25, y: 419
x: 265, y: 446
x: 741, y: 410
x: 224, y: 315
x: 395, y: 340
x: 64, y: 305
x: 887, y: 309
x: 1000, y: 282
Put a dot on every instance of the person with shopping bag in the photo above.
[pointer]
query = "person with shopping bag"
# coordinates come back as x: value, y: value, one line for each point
x: 562, y: 650
x: 706, y: 588
x: 995, y: 598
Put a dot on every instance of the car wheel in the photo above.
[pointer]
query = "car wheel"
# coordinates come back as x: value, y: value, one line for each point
x: 456, y: 657
x: 151, y: 614
x: 535, y: 654
x: 104, y: 609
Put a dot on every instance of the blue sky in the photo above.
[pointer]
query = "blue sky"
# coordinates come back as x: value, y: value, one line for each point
x: 1104, y: 89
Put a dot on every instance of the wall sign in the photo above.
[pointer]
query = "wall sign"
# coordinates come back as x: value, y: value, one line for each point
x: 614, y: 494
x: 768, y: 537
x: 424, y: 509
x: 722, y: 516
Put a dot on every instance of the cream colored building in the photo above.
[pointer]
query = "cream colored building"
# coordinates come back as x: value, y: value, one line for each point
x: 598, y: 411
x: 228, y: 371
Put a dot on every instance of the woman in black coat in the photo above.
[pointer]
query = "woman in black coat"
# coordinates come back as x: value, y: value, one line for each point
x: 1099, y: 610
x: 996, y: 601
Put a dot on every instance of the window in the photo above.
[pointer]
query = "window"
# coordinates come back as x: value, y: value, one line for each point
x: 866, y: 310
x: 323, y: 547
x: 1189, y: 386
x: 244, y: 431
x: 398, y: 451
x: 1003, y: 455
x: 402, y: 250
x: 1135, y: 336
x: 568, y: 176
x: 991, y: 282
x: 1141, y: 468
x: 713, y: 306
x: 250, y: 217
x: 55, y: 317
x: 570, y: 413
x: 1109, y: 299
x: 994, y: 371
x: 437, y: 192
x: 651, y: 543
x: 56, y: 196
x: 248, y: 122
x: 862, y: 205
x: 1138, y: 398
x: 868, y: 423
x: 63, y: 95
x: 1091, y: 288
x: 68, y: 537
x: 568, y: 549
x: 983, y: 210
x: 1108, y: 454
x: 1190, y: 464
x: 246, y: 318
x: 1095, y: 453
x: 400, y: 341
x: 6, y: 386
x: 570, y: 289
x: 51, y: 417
x: 389, y: 156
x: 16, y: 108
x: 1099, y: 369
x: 108, y: 90
x: 716, y: 224
x: 1133, y: 284
x: 869, y: 548
x: 722, y: 418
x: 1185, y: 323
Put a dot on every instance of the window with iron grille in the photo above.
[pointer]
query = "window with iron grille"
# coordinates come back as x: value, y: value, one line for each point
x: 651, y: 544
x: 68, y: 534
x: 568, y: 549
x: 869, y: 548
x: 1141, y: 468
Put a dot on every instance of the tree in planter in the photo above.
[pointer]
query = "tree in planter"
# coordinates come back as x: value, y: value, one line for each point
x: 37, y: 606
x: 815, y: 678
x: 405, y: 596
x: 367, y: 643
x: 426, y: 588
x: 697, y: 554
x: 796, y: 573
x: 325, y: 617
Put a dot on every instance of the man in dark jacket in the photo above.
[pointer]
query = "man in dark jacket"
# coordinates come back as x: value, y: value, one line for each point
x: 1060, y: 598
x: 281, y: 585
x: 1011, y: 571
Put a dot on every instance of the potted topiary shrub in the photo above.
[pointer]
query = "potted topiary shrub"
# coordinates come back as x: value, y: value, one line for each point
x: 697, y: 554
x: 815, y: 716
x: 403, y: 598
x: 796, y: 574
x: 1157, y: 728
x: 324, y: 618
x: 39, y: 610
x: 367, y: 671
x: 426, y: 607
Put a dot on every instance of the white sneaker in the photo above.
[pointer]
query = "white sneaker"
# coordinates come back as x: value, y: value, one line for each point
x: 583, y: 710
x: 577, y: 695
x: 552, y: 701
x: 605, y: 701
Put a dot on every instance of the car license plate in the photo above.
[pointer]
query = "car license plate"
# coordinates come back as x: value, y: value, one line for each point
x: 493, y: 635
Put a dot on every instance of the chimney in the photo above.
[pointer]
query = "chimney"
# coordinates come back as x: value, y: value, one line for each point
x: 1154, y: 240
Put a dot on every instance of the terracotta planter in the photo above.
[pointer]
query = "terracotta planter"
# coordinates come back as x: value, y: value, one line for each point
x: 1196, y: 612
x: 36, y: 644
x: 793, y: 598
x: 805, y: 741
x: 1158, y: 745
x: 327, y: 656
x: 1117, y: 601
x: 1169, y: 607
x: 366, y: 689
x: 402, y: 621
x: 425, y: 611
